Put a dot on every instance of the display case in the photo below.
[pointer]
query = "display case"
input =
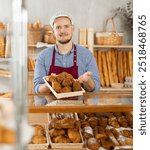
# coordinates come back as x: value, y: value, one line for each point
x: 98, y: 105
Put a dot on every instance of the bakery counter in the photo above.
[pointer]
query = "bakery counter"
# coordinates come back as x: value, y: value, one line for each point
x: 89, y: 102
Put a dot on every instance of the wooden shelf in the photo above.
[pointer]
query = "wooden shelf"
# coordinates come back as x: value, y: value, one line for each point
x: 7, y: 60
x: 5, y: 73
x: 110, y: 89
x: 92, y: 102
x: 113, y: 46
x: 109, y: 46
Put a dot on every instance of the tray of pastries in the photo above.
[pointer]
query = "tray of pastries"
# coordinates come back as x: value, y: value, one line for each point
x: 63, y: 85
x: 40, y: 137
x: 65, y: 131
x: 103, y: 131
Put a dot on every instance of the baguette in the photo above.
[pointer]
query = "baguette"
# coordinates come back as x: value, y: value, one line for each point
x: 100, y: 68
x: 130, y: 55
x: 108, y: 59
x: 105, y: 68
x: 120, y: 69
x: 124, y: 64
x: 114, y: 65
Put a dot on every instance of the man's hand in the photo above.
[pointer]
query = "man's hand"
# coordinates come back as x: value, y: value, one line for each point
x: 85, y: 77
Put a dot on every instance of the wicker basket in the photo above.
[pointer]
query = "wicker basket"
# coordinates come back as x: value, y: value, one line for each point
x: 109, y: 38
x: 35, y: 36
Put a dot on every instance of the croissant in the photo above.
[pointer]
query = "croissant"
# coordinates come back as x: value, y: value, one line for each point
x: 56, y: 86
x: 39, y: 139
x: 62, y: 139
x: 66, y: 89
x: 123, y: 121
x: 99, y: 132
x: 38, y: 130
x: 67, y: 82
x: 56, y: 132
x: 93, y: 144
x: 74, y: 135
x: 113, y: 121
x: 76, y: 86
x: 103, y: 121
x: 107, y: 143
x: 93, y: 121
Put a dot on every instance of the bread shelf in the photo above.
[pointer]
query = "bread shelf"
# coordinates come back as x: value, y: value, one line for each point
x: 109, y: 46
x: 5, y: 60
x: 5, y: 73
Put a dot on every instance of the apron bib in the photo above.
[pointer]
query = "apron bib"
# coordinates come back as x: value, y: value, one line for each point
x: 71, y: 70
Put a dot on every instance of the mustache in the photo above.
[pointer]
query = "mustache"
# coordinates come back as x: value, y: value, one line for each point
x: 61, y: 34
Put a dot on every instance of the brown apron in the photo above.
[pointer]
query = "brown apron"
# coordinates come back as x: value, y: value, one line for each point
x: 71, y: 70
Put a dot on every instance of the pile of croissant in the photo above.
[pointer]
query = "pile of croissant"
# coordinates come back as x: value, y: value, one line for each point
x: 64, y: 130
x: 63, y: 83
x: 39, y: 136
x: 106, y: 130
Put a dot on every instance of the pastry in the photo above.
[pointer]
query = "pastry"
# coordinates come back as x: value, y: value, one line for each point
x: 107, y: 143
x: 67, y: 82
x: 56, y: 86
x: 76, y: 86
x: 81, y: 116
x: 127, y: 133
x: 74, y: 135
x: 51, y: 78
x: 93, y: 144
x: 66, y: 89
x: 122, y: 121
x: 62, y: 139
x: 103, y: 121
x: 38, y: 130
x: 64, y: 123
x: 115, y: 132
x: 84, y: 124
x: 56, y: 132
x: 112, y: 121
x: 87, y: 132
x: 38, y: 139
x: 99, y: 132
x: 59, y: 78
x: 93, y: 121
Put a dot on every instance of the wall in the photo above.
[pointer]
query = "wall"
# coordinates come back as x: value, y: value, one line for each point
x: 87, y: 13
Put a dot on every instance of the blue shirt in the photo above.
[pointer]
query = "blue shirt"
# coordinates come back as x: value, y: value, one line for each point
x: 85, y: 62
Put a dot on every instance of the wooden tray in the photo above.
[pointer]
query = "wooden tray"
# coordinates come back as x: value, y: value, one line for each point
x: 40, y: 146
x: 68, y: 145
x: 63, y: 95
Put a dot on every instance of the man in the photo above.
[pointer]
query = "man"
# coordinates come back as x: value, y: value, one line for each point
x: 66, y: 56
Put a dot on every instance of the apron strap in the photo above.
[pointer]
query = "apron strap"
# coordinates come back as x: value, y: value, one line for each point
x: 53, y: 58
x: 75, y: 56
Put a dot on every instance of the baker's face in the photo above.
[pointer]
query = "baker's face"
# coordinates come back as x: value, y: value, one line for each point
x: 63, y: 30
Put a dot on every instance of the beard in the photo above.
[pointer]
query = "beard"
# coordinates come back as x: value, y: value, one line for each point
x: 64, y: 41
